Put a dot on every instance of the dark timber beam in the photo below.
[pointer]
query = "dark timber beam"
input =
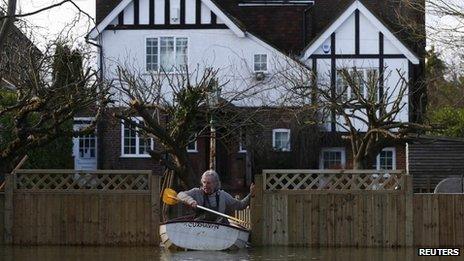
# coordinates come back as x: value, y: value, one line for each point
x: 356, y: 31
x: 136, y: 12
x: 332, y: 78
x: 182, y: 11
x: 151, y: 12
x: 167, y: 13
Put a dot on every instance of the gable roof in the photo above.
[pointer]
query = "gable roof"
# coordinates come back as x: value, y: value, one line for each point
x: 124, y: 3
x: 336, y: 23
x: 283, y: 26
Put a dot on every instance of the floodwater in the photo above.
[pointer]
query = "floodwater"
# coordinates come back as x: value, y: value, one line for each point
x: 52, y: 253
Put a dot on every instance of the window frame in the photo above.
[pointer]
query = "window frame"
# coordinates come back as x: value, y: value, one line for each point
x: 333, y: 149
x: 393, y: 150
x: 176, y: 68
x: 274, y: 131
x: 137, y: 141
x: 241, y: 141
x: 254, y: 63
x: 195, y: 150
x: 83, y: 121
x: 351, y: 70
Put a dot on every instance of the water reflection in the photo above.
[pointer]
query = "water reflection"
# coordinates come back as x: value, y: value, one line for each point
x: 59, y: 253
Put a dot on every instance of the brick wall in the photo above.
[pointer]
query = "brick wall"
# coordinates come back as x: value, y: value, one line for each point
x: 231, y: 165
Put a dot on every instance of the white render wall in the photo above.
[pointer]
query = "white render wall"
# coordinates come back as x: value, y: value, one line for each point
x: 217, y: 48
x: 174, y: 5
x: 233, y: 55
x: 368, y: 44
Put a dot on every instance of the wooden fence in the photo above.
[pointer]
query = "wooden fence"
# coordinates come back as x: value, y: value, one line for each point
x: 111, y: 207
x: 332, y: 208
x: 352, y: 208
x: 439, y: 220
x: 291, y: 207
x: 2, y: 217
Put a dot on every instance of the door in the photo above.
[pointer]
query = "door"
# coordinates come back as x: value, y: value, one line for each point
x: 84, y: 147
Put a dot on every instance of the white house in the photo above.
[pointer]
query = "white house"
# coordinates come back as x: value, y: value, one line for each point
x: 249, y: 39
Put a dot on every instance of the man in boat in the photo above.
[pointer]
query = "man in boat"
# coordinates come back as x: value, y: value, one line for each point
x: 211, y: 196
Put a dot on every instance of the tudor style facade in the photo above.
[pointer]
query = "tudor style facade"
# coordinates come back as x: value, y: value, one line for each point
x: 251, y: 39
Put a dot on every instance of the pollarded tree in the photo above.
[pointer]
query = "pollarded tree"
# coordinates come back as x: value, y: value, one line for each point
x: 172, y: 116
x: 176, y: 109
x: 40, y: 109
x: 370, y: 118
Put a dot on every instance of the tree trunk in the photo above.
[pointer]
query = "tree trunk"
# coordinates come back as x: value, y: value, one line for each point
x: 185, y: 171
x: 359, y: 162
x: 7, y: 23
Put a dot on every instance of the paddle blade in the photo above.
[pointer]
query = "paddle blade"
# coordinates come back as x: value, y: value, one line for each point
x: 169, y: 196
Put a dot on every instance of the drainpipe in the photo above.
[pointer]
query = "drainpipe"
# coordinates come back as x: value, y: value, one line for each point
x: 304, y: 22
x: 99, y: 124
x: 100, y: 58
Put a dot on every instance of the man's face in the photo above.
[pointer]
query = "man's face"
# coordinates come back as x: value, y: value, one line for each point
x: 208, y: 184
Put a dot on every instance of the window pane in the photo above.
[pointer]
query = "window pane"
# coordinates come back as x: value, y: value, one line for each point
x: 332, y: 159
x: 341, y: 86
x: 152, y: 54
x: 260, y: 62
x: 281, y: 141
x: 181, y: 53
x: 129, y: 139
x: 144, y: 145
x: 192, y: 146
x: 386, y: 159
x: 167, y: 53
x: 371, y: 81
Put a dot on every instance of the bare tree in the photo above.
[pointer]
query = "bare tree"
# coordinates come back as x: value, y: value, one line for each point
x: 8, y: 15
x: 52, y: 89
x: 172, y: 108
x: 177, y: 108
x: 370, y: 119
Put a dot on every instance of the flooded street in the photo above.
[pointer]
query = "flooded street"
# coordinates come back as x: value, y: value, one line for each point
x: 55, y: 253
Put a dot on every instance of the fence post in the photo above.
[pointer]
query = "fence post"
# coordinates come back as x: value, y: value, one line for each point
x: 408, y: 197
x: 8, y: 221
x: 155, y: 206
x: 256, y: 211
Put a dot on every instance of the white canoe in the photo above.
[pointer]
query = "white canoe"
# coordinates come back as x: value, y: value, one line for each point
x: 202, y: 235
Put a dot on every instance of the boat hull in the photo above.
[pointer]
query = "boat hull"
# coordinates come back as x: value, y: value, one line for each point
x: 202, y: 235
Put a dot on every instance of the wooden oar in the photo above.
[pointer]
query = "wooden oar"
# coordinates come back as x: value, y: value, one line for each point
x: 170, y: 198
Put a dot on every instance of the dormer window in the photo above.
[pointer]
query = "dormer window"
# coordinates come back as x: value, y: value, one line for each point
x: 260, y: 63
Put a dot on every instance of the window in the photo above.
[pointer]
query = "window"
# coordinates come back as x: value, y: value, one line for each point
x: 362, y: 77
x: 332, y: 158
x: 281, y: 139
x: 167, y: 54
x: 152, y: 54
x: 134, y: 143
x: 192, y: 146
x: 87, y: 146
x: 260, y: 63
x: 386, y: 159
x: 242, y: 142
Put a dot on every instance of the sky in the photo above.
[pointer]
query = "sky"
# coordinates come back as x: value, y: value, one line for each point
x: 57, y: 21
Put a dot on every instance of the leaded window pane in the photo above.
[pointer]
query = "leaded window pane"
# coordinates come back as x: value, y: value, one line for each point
x: 167, y: 54
x: 152, y: 54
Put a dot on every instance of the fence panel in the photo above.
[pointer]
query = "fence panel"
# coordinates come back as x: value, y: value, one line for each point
x: 331, y: 208
x: 438, y: 220
x: 84, y: 208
